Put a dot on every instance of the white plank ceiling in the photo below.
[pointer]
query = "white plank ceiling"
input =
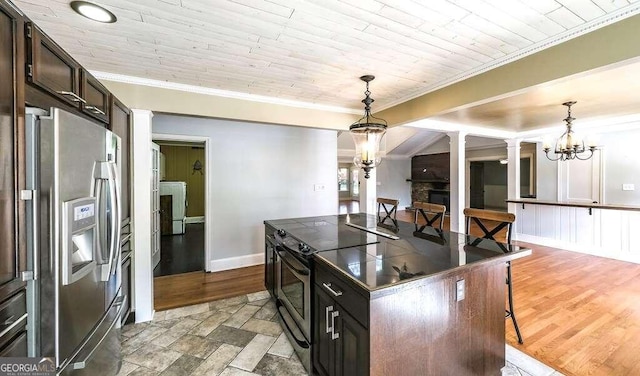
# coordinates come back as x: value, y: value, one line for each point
x: 314, y: 50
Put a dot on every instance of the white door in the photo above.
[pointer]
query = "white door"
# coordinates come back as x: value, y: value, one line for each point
x: 581, y: 181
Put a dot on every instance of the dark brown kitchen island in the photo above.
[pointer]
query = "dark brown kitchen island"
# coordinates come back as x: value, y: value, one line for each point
x: 428, y: 303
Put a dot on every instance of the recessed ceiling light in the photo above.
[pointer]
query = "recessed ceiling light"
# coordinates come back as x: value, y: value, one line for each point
x: 93, y: 11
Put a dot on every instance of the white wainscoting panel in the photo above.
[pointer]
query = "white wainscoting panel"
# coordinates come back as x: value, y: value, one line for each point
x: 606, y: 233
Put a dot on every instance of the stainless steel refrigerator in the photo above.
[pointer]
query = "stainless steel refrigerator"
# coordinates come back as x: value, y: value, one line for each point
x: 74, y: 298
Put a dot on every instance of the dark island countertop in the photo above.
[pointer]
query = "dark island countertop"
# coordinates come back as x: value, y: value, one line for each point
x: 419, y: 253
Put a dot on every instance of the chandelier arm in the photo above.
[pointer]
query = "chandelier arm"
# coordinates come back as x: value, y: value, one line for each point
x: 551, y: 159
x: 589, y: 156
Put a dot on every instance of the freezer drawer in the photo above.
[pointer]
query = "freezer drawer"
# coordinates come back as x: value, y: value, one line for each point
x: 101, y: 354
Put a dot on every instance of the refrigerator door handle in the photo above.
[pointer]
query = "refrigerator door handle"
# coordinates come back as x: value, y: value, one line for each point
x: 117, y: 218
x: 114, y: 245
x: 31, y: 198
x: 98, y: 196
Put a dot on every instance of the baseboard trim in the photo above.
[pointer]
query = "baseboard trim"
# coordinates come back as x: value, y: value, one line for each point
x: 580, y: 248
x: 236, y: 262
x: 194, y: 219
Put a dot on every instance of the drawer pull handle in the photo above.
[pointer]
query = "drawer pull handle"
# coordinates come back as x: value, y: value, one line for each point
x: 74, y: 97
x: 328, y: 310
x: 95, y: 110
x: 331, y: 290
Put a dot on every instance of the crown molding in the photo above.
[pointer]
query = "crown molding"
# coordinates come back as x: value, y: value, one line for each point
x: 607, y: 19
x: 115, y: 77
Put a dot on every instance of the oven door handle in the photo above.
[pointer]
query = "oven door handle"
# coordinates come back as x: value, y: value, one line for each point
x: 283, y: 258
x: 300, y: 343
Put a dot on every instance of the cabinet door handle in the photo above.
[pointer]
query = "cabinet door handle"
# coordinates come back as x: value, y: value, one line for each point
x: 95, y: 110
x: 328, y: 309
x: 334, y: 335
x: 331, y: 290
x: 75, y: 97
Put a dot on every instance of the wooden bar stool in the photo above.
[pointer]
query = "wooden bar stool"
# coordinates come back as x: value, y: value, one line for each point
x: 387, y: 203
x: 431, y: 213
x: 498, y: 221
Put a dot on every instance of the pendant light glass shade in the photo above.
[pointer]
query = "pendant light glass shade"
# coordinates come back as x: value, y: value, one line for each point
x: 367, y: 135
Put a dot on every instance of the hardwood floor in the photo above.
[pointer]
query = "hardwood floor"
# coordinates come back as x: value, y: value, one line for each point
x: 578, y: 313
x: 181, y: 253
x: 348, y: 206
x: 198, y: 287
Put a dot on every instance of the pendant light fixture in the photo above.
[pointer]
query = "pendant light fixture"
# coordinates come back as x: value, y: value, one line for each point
x: 367, y: 133
x: 569, y: 146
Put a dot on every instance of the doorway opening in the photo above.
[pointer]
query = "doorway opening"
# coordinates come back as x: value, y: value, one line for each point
x: 348, y: 188
x: 488, y: 182
x: 182, y: 203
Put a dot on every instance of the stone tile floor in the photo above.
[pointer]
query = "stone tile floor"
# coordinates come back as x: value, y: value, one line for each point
x: 235, y: 337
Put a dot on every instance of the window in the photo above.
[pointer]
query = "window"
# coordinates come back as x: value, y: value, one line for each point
x: 343, y: 179
x: 355, y: 184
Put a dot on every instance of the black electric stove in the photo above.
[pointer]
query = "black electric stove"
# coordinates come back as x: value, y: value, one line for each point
x: 307, y: 236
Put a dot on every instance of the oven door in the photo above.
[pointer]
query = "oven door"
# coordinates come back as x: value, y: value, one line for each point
x: 294, y: 289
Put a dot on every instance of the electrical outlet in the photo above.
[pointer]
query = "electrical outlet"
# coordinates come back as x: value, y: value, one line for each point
x: 628, y: 187
x: 318, y: 187
x: 459, y: 290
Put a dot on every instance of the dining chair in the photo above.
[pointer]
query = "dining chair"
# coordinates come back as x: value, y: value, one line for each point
x: 491, y: 223
x: 431, y: 213
x: 390, y: 207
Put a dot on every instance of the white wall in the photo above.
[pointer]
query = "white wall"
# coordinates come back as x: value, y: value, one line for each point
x: 621, y: 166
x: 392, y: 175
x: 260, y: 172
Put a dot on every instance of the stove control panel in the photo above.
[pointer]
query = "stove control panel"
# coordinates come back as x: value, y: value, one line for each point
x: 291, y: 243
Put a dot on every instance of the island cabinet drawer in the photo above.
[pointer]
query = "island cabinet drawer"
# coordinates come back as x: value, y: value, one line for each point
x: 343, y: 292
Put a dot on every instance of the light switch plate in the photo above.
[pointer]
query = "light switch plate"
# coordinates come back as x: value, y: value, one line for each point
x: 459, y: 290
x: 628, y: 187
x: 318, y: 187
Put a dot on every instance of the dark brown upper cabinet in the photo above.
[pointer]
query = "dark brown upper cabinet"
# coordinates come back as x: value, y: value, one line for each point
x: 50, y: 68
x: 120, y: 124
x: 96, y: 97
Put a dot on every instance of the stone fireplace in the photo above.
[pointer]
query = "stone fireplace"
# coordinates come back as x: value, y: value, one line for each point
x: 433, y: 192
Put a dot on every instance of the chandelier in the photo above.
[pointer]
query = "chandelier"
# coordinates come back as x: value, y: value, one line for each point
x: 367, y: 133
x: 569, y: 146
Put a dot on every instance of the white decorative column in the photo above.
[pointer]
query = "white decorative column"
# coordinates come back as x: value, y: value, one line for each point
x: 142, y: 264
x: 456, y: 180
x: 368, y: 192
x: 513, y: 172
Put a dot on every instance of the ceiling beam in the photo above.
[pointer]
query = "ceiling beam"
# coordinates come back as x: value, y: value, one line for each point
x: 608, y: 45
x: 176, y: 101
